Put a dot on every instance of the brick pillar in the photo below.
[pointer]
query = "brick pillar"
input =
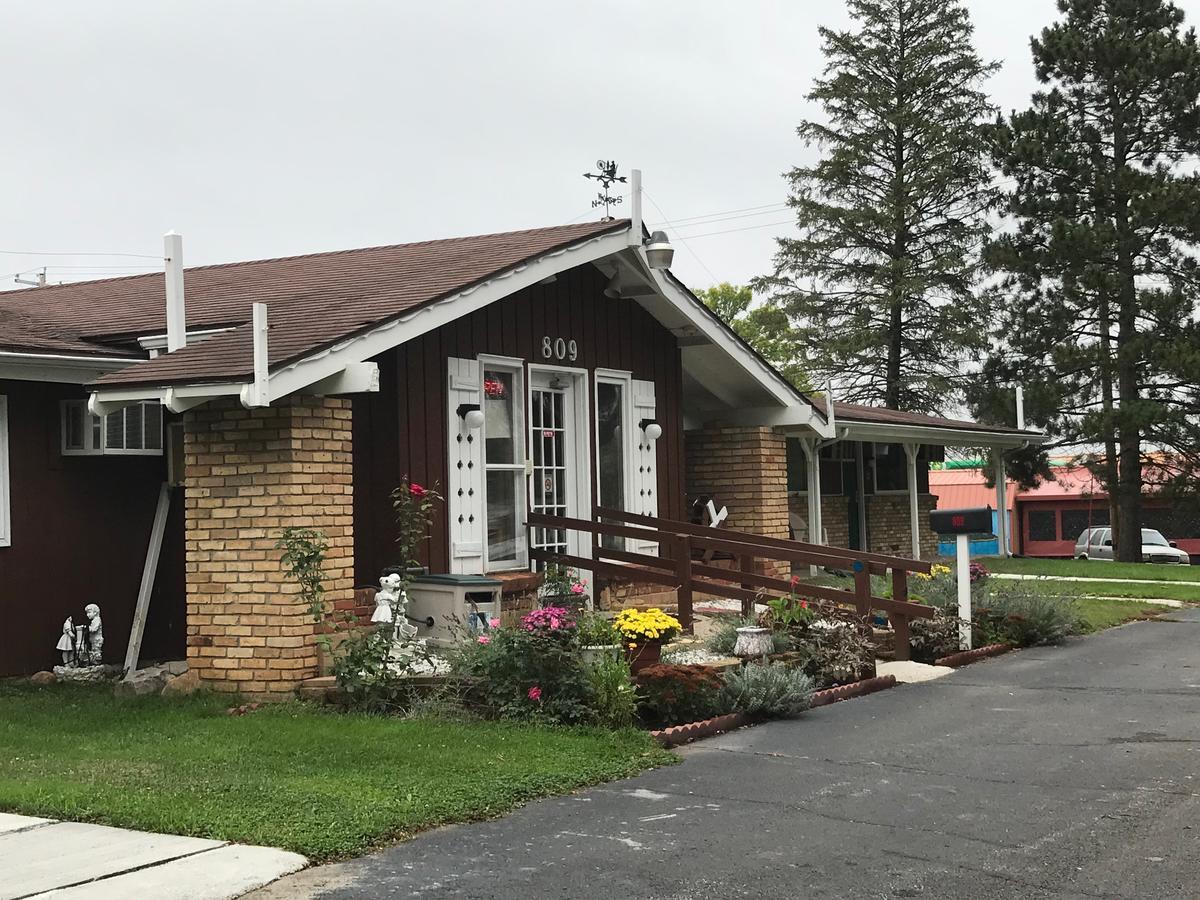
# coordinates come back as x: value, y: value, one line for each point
x: 249, y: 475
x: 890, y: 527
x: 743, y: 468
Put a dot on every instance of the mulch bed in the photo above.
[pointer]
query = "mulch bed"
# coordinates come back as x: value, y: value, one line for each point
x: 694, y: 731
x: 954, y: 660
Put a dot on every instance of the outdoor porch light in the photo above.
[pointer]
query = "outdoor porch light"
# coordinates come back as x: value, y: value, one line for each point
x: 659, y: 251
x: 471, y: 415
x: 651, y: 429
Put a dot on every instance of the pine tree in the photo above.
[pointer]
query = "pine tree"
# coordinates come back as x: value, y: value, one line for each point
x: 1102, y: 277
x: 764, y: 326
x: 891, y: 218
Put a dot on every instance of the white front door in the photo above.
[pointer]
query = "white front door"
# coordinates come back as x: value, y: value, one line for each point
x: 559, y: 477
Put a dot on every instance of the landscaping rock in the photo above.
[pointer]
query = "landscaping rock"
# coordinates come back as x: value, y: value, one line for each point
x: 182, y: 685
x: 141, y: 683
x: 175, y: 667
x: 43, y: 678
x: 87, y: 674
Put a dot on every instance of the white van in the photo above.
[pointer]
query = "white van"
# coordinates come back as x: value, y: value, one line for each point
x: 1096, y: 543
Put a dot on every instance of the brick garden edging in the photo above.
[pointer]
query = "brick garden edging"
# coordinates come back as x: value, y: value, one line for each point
x: 854, y: 689
x: 954, y: 660
x: 694, y: 731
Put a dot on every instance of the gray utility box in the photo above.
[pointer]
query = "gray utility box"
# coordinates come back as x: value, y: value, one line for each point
x: 458, y: 606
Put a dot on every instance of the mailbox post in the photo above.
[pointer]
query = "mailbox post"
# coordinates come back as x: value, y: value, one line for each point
x: 962, y: 523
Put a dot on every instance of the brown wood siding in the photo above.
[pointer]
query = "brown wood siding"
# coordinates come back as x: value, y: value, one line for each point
x: 80, y: 527
x: 402, y: 430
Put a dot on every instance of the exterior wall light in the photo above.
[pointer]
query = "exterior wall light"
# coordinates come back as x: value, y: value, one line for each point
x: 651, y: 429
x: 659, y: 251
x: 471, y: 415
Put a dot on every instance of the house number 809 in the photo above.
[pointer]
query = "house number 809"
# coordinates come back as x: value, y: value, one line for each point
x: 559, y: 348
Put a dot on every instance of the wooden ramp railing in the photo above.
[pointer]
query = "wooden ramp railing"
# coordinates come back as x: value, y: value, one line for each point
x: 675, y: 567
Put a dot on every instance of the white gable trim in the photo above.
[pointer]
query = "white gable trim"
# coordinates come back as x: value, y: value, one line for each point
x: 328, y: 364
x: 59, y: 368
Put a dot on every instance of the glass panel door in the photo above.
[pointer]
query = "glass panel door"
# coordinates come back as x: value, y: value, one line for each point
x: 551, y: 437
x: 610, y: 451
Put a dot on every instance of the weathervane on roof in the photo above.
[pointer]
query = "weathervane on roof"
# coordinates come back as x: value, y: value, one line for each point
x: 607, y: 176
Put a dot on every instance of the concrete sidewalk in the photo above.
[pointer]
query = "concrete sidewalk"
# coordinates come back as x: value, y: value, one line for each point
x: 1053, y: 772
x: 43, y: 858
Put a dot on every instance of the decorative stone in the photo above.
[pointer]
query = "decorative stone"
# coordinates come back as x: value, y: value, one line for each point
x: 753, y: 641
x: 87, y: 674
x: 43, y: 678
x: 182, y: 685
x: 141, y: 683
x: 175, y: 667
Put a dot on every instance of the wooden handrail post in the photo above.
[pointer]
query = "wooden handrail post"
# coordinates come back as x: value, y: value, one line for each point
x: 746, y: 564
x: 683, y: 571
x: 862, y: 601
x: 900, y: 621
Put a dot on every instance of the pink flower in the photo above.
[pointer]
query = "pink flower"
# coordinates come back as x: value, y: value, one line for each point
x: 577, y: 588
x: 493, y: 623
x: 484, y: 639
x: 416, y: 490
x: 535, y: 694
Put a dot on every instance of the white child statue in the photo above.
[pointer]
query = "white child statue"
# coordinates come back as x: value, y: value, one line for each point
x: 66, y: 643
x: 391, y: 603
x: 95, y: 634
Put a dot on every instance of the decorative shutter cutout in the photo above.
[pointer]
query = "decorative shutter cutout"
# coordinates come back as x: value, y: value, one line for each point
x: 645, y: 462
x: 464, y: 498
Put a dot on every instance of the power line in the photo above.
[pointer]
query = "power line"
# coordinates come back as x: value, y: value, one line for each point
x: 748, y: 210
x: 76, y: 253
x: 743, y: 228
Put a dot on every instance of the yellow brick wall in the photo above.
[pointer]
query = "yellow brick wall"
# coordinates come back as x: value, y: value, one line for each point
x: 743, y: 468
x: 249, y: 475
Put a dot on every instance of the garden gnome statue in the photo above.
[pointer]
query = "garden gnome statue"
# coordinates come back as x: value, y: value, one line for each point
x: 95, y: 634
x: 66, y: 643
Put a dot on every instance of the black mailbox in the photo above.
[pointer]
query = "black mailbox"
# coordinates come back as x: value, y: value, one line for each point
x: 961, y: 521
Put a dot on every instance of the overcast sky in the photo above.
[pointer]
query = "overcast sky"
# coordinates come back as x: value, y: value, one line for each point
x: 270, y: 128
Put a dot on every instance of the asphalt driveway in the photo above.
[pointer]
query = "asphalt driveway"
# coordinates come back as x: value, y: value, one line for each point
x: 1054, y: 772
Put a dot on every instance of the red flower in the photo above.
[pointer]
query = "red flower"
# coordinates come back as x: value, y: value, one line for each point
x: 416, y: 490
x: 804, y: 604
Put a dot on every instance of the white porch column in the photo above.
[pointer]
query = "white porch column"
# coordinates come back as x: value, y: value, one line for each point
x: 812, y: 458
x: 914, y: 505
x: 1001, y: 503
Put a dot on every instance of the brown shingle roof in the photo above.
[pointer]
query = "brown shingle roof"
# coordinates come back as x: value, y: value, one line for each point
x: 856, y: 412
x: 313, y: 301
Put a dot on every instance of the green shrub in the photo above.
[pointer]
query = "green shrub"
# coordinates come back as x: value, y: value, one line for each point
x: 596, y: 630
x: 1010, y: 613
x: 532, y: 671
x: 674, y: 695
x: 614, y: 699
x: 773, y: 691
x: 724, y: 637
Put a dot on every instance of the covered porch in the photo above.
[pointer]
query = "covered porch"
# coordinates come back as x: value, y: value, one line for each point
x: 872, y: 477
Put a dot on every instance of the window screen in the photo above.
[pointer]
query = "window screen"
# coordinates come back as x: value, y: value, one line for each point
x: 1042, y: 525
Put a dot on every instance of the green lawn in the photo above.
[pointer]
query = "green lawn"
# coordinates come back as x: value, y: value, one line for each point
x: 1163, y: 590
x: 1082, y: 568
x: 321, y: 783
x: 1097, y: 614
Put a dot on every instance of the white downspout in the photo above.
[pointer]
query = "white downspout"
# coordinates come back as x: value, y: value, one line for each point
x: 257, y: 393
x: 176, y: 319
x: 635, y: 207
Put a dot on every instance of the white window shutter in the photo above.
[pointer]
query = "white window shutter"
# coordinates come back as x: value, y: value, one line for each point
x: 645, y: 462
x: 465, y: 495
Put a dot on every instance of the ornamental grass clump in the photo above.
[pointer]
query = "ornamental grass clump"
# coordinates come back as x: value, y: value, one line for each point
x: 1010, y: 613
x: 771, y: 692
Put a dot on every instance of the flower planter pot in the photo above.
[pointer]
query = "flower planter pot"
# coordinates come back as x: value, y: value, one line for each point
x: 643, y: 655
x: 593, y: 653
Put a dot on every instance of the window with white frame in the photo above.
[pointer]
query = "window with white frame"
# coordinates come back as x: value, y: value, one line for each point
x: 136, y: 430
x: 504, y: 464
x: 5, y: 478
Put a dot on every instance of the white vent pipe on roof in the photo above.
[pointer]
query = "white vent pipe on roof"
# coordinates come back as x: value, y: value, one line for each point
x: 176, y: 320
